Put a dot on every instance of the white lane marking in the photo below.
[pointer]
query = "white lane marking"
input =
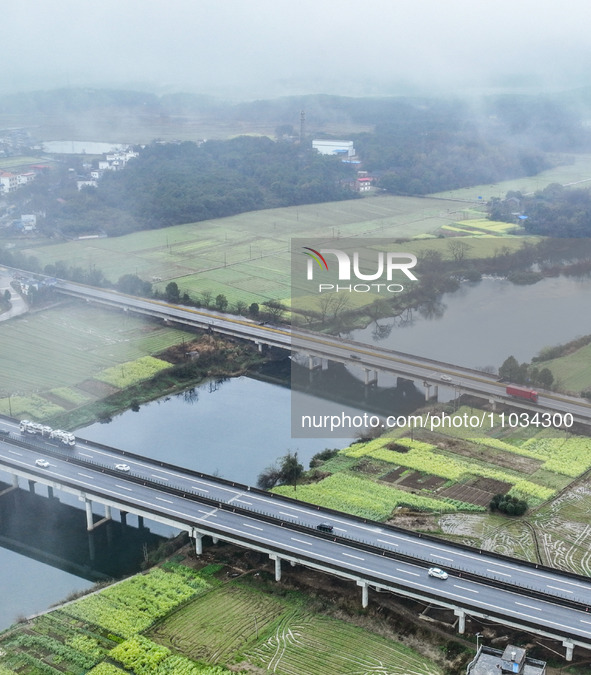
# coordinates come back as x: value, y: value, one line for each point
x: 289, y: 515
x: 497, y: 572
x: 123, y: 487
x: 301, y: 541
x: 161, y: 499
x: 564, y: 590
x: 254, y: 527
x: 470, y: 590
x: 407, y: 572
x: 242, y: 501
x: 159, y: 477
x: 200, y: 489
x: 436, y: 555
x: 84, y: 454
x: 350, y: 555
x: 13, y: 452
x: 85, y: 476
x: 583, y: 621
x: 340, y: 529
x: 390, y: 543
x: 528, y: 606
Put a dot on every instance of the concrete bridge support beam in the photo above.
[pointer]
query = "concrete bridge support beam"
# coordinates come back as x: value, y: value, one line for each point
x: 32, y: 486
x: 569, y: 649
x: 140, y: 522
x: 108, y: 512
x: 123, y: 515
x: 364, y: 593
x: 436, y: 392
x: 50, y: 492
x: 89, y: 521
x: 461, y: 620
x: 215, y: 540
x: 277, y: 560
x: 198, y: 543
x: 493, y: 404
x: 14, y: 481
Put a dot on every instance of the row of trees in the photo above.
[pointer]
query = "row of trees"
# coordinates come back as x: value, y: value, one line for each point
x: 170, y: 184
x: 555, y: 211
x: 525, y: 373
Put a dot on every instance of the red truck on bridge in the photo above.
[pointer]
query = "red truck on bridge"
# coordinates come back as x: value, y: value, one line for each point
x: 522, y: 392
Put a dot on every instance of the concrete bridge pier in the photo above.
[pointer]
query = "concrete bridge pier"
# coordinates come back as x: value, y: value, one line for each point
x: 215, y: 540
x: 436, y: 392
x: 89, y: 520
x: 364, y: 593
x: 569, y: 649
x: 493, y: 404
x: 107, y: 512
x: 15, y: 481
x: 371, y: 376
x: 32, y: 486
x: 50, y: 492
x: 277, y: 560
x: 313, y: 364
x: 198, y: 543
x: 123, y: 516
x: 461, y: 620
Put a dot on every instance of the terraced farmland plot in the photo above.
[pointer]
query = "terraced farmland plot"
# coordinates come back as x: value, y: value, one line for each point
x: 58, y: 348
x: 316, y: 645
x: 216, y: 626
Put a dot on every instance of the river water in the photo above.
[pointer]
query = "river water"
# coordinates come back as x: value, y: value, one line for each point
x: 238, y: 427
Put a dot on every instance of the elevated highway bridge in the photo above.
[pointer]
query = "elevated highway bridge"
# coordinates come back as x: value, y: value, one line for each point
x: 313, y: 347
x: 375, y: 556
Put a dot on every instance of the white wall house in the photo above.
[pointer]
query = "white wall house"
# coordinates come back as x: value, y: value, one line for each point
x: 344, y: 148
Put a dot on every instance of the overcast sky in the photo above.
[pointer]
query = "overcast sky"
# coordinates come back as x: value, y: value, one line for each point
x: 254, y: 48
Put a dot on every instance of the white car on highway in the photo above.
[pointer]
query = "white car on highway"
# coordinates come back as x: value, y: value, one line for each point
x: 122, y: 467
x: 42, y: 463
x: 445, y: 378
x: 438, y: 573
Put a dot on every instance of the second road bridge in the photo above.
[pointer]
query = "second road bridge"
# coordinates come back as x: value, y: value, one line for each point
x: 372, y: 358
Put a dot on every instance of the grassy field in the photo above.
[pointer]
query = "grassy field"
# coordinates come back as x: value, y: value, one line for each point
x: 12, y: 163
x: 54, y: 351
x: 178, y: 621
x: 247, y: 256
x: 239, y: 624
x: 572, y: 371
x: 576, y: 171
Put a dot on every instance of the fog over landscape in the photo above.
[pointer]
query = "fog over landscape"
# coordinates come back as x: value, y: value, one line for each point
x: 244, y: 50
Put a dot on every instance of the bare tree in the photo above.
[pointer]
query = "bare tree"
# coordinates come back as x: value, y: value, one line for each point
x: 458, y: 249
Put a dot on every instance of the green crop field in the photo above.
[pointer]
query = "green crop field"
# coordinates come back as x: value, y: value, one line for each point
x: 246, y: 257
x: 60, y: 348
x: 236, y: 623
x: 450, y: 470
x: 577, y: 172
x: 573, y: 371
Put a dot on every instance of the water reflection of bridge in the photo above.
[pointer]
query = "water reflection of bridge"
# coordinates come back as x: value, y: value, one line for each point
x: 55, y: 534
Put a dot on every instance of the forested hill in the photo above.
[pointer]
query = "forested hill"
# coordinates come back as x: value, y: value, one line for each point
x: 169, y: 184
